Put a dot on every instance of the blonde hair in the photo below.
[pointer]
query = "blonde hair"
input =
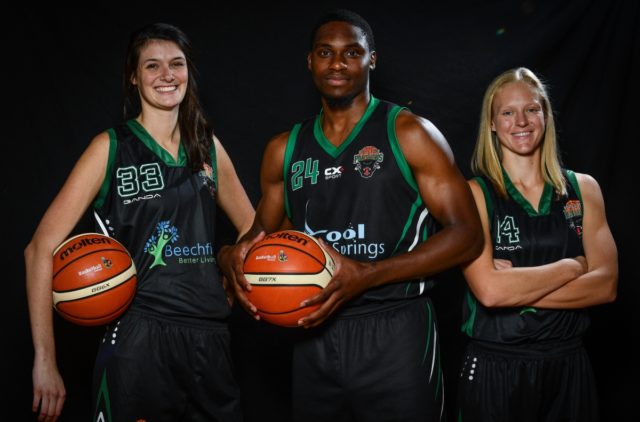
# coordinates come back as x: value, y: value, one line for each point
x: 487, y: 155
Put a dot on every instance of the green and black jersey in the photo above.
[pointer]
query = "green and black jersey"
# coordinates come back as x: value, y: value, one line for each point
x: 360, y: 197
x: 527, y: 238
x: 164, y: 213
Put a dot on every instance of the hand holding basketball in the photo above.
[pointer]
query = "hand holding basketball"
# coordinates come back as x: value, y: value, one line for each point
x: 350, y: 279
x: 285, y: 268
x: 231, y: 263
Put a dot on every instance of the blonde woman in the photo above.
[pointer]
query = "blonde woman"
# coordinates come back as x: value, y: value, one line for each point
x: 548, y: 255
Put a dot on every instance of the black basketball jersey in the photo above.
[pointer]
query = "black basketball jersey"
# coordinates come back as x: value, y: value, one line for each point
x: 164, y: 214
x: 360, y: 197
x: 527, y: 237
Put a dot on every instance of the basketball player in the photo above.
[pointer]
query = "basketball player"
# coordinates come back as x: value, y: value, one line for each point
x: 525, y: 312
x: 372, y: 180
x: 155, y: 183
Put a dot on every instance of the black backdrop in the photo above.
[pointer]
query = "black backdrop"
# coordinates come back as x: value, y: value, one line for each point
x: 62, y: 69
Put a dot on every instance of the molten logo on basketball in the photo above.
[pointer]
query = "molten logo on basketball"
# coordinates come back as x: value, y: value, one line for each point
x: 81, y: 244
x: 287, y: 236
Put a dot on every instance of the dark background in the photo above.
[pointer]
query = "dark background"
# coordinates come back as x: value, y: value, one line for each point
x: 63, y: 70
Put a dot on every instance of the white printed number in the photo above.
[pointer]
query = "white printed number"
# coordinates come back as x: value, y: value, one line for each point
x: 131, y: 178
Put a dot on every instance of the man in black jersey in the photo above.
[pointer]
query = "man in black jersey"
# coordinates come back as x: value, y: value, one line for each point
x: 371, y: 180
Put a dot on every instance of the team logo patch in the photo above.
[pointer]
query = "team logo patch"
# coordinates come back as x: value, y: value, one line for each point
x: 206, y: 174
x: 367, y: 161
x: 572, y: 209
x: 573, y: 213
x: 282, y: 257
x: 106, y: 262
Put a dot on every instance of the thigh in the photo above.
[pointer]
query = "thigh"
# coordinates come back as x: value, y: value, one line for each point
x: 569, y: 389
x: 212, y: 390
x: 158, y: 370
x: 132, y: 379
x: 393, y: 365
x: 318, y: 390
x: 497, y: 387
x: 383, y: 366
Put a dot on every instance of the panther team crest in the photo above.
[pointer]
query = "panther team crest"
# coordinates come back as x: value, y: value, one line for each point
x: 573, y: 213
x: 368, y: 160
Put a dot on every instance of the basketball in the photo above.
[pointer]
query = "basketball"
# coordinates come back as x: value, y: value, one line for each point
x: 285, y: 268
x: 94, y: 279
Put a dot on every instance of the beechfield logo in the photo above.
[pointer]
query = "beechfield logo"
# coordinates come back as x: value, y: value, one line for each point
x: 165, y: 233
x: 162, y: 246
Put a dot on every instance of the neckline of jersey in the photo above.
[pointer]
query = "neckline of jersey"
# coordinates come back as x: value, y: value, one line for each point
x: 141, y: 133
x: 327, y: 145
x: 545, y: 199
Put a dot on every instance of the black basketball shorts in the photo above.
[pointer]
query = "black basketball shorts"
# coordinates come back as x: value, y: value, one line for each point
x: 151, y: 369
x: 533, y: 383
x: 382, y: 366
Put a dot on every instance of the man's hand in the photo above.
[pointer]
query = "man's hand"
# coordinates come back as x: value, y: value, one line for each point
x: 348, y: 281
x: 231, y: 263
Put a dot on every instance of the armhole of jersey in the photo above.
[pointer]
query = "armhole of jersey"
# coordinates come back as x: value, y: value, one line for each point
x: 288, y: 153
x: 487, y: 200
x: 214, y: 164
x: 571, y: 176
x: 104, y: 189
x: 395, y: 147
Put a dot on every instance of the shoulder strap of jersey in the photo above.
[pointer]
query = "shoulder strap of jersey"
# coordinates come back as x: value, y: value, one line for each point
x: 395, y: 146
x: 288, y: 153
x: 488, y: 199
x: 573, y: 180
x: 104, y: 188
x: 214, y: 164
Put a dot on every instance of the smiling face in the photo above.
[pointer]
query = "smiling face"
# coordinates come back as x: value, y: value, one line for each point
x: 161, y: 75
x: 340, y: 61
x: 518, y: 118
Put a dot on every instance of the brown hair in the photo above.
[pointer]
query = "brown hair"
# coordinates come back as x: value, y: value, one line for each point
x: 196, y: 134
